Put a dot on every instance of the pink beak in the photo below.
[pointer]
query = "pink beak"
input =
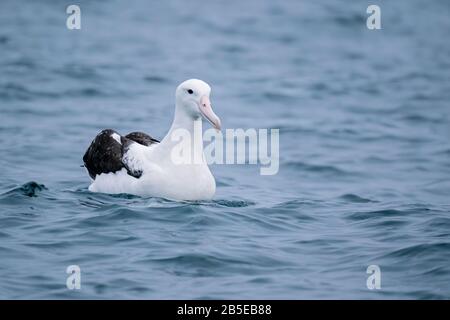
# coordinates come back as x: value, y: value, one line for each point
x: 208, y: 113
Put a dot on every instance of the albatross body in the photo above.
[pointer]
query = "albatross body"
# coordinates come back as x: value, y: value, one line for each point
x: 141, y: 165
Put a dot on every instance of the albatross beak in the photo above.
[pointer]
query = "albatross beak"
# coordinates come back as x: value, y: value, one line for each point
x: 208, y: 113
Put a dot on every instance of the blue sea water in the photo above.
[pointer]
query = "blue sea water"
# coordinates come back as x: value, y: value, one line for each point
x: 364, y: 177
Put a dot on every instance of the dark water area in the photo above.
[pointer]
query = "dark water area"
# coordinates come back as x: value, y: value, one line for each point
x: 364, y: 176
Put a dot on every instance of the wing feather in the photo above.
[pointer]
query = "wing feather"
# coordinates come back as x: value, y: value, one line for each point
x: 110, y: 152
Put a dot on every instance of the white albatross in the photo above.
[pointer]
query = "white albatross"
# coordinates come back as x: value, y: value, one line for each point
x: 140, y: 165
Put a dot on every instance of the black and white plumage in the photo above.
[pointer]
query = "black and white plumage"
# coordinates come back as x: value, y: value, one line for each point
x: 141, y: 165
x: 107, y: 150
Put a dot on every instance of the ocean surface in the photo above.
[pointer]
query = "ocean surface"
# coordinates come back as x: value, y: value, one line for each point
x: 364, y: 178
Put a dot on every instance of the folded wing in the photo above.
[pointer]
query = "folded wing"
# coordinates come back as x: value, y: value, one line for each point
x: 111, y: 152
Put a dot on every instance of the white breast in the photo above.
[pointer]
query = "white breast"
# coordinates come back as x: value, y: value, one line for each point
x: 160, y: 178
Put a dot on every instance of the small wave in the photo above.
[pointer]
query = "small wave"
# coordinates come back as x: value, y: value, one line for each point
x: 86, y: 92
x: 350, y: 20
x: 319, y: 87
x: 421, y: 250
x: 156, y: 79
x: 11, y: 91
x: 440, y: 223
x: 437, y: 271
x: 378, y: 214
x: 4, y: 39
x: 277, y: 96
x: 327, y: 169
x: 354, y: 198
x: 298, y: 203
x: 354, y: 55
x: 29, y: 189
x: 85, y: 191
x: 99, y: 200
x: 15, y: 91
x: 154, y: 202
x: 124, y: 196
x: 222, y: 183
x: 233, y: 48
x: 420, y: 118
x: 234, y: 203
x: 112, y: 215
x: 198, y: 264
x: 24, y: 63
x: 287, y: 39
x: 282, y: 218
x: 443, y: 152
x: 80, y: 72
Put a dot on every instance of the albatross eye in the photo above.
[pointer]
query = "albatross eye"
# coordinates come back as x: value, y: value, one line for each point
x: 190, y: 91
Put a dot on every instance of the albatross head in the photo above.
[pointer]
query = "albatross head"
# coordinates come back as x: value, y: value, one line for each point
x: 192, y: 97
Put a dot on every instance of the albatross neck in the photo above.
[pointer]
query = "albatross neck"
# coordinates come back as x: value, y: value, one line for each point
x: 185, y: 129
x: 183, y: 120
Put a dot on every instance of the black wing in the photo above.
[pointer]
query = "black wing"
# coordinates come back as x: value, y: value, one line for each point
x: 141, y: 138
x: 105, y: 153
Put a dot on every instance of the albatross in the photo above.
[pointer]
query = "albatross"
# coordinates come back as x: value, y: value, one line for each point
x: 140, y: 165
